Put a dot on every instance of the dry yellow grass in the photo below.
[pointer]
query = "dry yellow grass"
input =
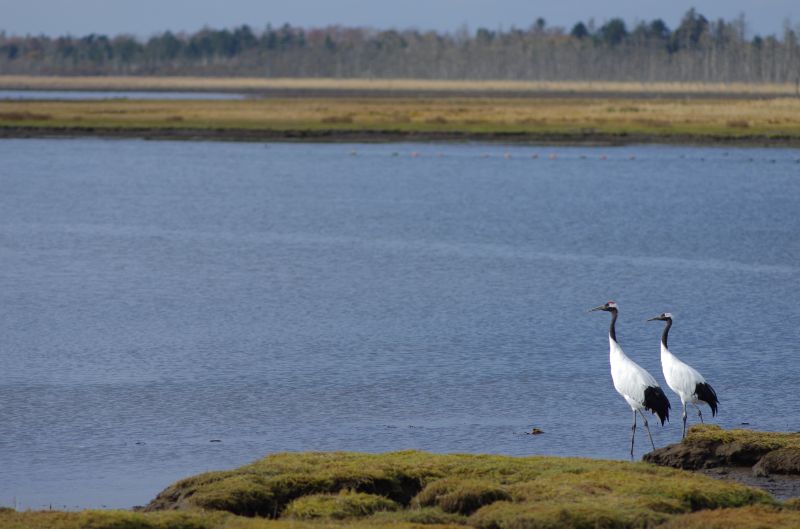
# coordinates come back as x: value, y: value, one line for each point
x: 400, y: 85
x: 764, y: 118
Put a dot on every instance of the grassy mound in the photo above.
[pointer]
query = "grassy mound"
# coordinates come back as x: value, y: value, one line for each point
x: 463, y: 496
x: 748, y: 439
x: 484, y: 491
x: 708, y: 446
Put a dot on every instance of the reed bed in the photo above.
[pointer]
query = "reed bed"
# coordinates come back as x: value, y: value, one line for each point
x: 661, y: 117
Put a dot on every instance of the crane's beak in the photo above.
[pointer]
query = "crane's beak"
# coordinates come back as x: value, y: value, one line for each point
x: 601, y: 307
x: 655, y: 318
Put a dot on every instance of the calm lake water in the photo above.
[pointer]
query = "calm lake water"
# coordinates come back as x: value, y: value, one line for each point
x: 158, y: 296
x: 60, y: 95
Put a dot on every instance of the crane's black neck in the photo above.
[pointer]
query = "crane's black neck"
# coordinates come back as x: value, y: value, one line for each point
x: 611, y: 332
x: 665, y: 334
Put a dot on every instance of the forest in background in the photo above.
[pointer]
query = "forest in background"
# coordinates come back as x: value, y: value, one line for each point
x: 697, y: 50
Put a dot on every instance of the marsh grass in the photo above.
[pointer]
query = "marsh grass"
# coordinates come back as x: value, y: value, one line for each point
x: 410, y: 489
x: 345, y: 504
x: 461, y: 496
x: 747, y: 439
x: 655, y: 118
x: 768, y: 452
x: 482, y: 491
x: 757, y: 517
x: 112, y: 520
x: 23, y: 116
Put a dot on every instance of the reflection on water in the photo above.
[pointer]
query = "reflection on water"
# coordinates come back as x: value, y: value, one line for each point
x: 157, y: 295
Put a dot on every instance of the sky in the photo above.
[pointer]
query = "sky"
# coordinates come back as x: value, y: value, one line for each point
x: 144, y: 18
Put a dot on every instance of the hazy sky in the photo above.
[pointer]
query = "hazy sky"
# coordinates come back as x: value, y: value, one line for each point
x: 145, y: 17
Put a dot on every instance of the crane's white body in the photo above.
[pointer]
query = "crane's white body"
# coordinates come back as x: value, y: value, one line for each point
x: 630, y: 379
x: 680, y: 376
x: 638, y: 387
x: 683, y: 379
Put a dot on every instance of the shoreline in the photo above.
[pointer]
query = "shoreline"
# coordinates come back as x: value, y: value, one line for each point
x: 412, y: 489
x: 588, y: 139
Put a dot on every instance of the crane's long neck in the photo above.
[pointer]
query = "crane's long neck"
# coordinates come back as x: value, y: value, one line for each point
x: 665, y: 334
x: 612, y: 334
x: 615, y: 351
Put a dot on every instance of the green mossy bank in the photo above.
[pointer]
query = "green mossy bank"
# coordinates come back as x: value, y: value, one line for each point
x: 417, y: 489
x: 709, y: 446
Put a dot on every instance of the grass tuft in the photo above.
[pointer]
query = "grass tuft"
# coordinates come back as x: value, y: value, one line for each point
x: 462, y: 496
x: 339, y: 506
x: 424, y: 515
x: 755, y: 517
x: 564, y: 514
x: 792, y: 504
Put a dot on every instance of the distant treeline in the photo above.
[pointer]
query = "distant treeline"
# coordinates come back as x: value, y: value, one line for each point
x: 698, y: 50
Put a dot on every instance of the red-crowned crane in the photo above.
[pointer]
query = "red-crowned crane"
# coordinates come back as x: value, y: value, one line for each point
x: 638, y: 387
x: 683, y: 379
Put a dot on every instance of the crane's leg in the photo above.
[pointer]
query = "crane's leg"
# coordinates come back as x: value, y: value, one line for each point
x: 699, y: 413
x: 647, y: 427
x: 684, y: 419
x: 633, y: 432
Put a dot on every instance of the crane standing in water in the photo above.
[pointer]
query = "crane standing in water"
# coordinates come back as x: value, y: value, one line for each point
x: 638, y: 387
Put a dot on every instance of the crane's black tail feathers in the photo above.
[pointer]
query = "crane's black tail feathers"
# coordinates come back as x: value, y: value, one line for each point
x: 706, y: 393
x: 657, y: 402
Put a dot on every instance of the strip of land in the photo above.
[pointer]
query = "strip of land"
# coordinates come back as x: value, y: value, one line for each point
x: 410, y: 489
x: 601, y: 120
x: 398, y: 87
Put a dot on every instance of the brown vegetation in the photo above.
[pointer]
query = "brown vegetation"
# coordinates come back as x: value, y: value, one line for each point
x: 510, y: 119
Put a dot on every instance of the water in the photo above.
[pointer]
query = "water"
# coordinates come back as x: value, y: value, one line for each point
x: 67, y: 95
x: 156, y: 296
